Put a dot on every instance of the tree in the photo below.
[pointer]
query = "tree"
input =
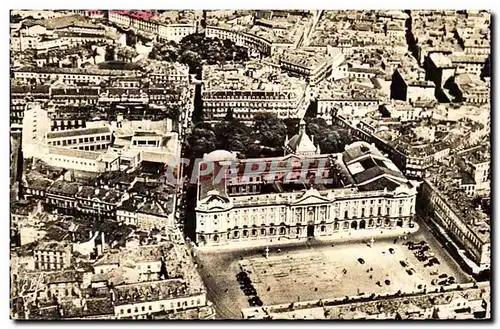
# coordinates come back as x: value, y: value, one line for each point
x: 292, y: 126
x: 232, y: 135
x: 200, y: 141
x: 229, y: 115
x: 269, y: 130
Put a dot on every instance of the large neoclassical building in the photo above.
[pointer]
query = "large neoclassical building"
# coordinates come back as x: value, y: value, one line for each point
x: 360, y: 189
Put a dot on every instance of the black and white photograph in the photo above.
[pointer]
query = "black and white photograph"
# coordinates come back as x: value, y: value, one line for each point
x: 250, y: 164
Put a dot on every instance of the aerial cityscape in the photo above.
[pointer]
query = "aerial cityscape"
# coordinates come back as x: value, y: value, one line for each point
x: 250, y: 164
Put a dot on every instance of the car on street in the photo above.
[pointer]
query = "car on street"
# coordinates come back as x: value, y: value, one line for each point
x: 241, y: 275
x: 245, y: 281
x: 361, y: 261
x: 250, y: 292
x: 403, y: 263
x: 409, y: 271
x: 433, y: 261
x: 255, y: 301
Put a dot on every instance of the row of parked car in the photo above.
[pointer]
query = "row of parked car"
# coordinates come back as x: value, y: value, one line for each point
x: 248, y: 289
x: 423, y: 253
x: 443, y: 280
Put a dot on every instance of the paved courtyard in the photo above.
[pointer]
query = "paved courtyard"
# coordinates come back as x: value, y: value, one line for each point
x: 314, y: 271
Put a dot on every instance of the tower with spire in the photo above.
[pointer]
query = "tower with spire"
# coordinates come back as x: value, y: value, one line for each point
x: 301, y: 144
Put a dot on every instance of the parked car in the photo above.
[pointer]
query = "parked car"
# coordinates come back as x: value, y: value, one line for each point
x: 442, y: 276
x: 433, y: 261
x: 403, y: 263
x: 250, y: 292
x: 409, y: 271
x: 245, y: 281
x: 387, y: 282
x: 255, y: 301
x: 361, y: 261
x: 391, y: 250
x: 434, y: 282
x: 443, y: 282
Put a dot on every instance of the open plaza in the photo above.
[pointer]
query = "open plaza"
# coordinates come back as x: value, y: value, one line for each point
x: 320, y: 270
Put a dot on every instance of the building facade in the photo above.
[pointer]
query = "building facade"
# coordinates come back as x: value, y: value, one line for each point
x: 248, y: 208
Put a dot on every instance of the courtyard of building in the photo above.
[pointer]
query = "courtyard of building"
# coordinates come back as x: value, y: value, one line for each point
x: 320, y: 270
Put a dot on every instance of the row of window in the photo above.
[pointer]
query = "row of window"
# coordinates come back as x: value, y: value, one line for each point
x: 73, y: 141
x: 162, y: 306
x: 298, y: 230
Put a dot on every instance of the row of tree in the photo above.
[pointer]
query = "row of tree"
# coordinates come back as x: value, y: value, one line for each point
x: 265, y: 138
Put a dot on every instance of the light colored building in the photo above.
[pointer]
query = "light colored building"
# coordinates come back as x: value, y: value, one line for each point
x: 169, y: 295
x: 74, y: 159
x: 469, y: 229
x: 52, y: 255
x: 248, y: 91
x: 348, y: 97
x: 67, y: 75
x: 366, y: 192
x: 471, y: 90
x: 85, y: 139
x: 36, y: 124
x: 409, y: 85
x: 313, y: 65
x: 145, y: 215
x: 146, y: 22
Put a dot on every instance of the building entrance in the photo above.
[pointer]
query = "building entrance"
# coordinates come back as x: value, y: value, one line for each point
x: 310, y: 231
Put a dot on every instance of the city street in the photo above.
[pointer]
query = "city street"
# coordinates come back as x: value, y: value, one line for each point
x: 315, y: 269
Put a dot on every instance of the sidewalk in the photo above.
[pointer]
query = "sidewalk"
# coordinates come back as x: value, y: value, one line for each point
x: 337, y: 237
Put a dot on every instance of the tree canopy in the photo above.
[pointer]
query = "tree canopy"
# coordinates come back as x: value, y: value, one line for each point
x: 196, y: 48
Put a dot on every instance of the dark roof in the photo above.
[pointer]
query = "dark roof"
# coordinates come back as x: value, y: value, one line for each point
x: 39, y: 183
x: 33, y: 89
x: 63, y: 187
x: 374, y: 172
x: 379, y: 185
x: 63, y: 276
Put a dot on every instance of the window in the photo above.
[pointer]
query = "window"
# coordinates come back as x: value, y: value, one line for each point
x: 129, y: 311
x: 122, y: 311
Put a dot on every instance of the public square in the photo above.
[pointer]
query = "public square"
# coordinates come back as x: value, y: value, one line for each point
x: 318, y: 270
